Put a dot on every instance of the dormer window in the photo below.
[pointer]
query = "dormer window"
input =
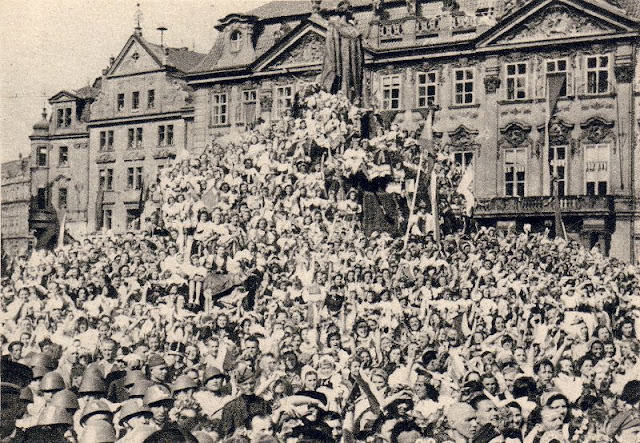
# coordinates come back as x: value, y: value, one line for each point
x: 236, y: 38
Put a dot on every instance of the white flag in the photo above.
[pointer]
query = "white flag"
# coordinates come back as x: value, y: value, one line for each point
x: 465, y: 187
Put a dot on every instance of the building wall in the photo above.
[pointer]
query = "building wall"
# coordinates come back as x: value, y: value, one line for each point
x: 14, y: 207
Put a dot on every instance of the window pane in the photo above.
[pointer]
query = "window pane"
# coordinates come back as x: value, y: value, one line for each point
x: 591, y: 62
x: 602, y: 188
x: 591, y: 189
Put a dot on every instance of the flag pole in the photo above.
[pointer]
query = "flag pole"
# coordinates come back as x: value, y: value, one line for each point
x: 429, y: 139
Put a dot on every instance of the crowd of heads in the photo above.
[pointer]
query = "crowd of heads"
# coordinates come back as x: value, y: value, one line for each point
x: 252, y: 306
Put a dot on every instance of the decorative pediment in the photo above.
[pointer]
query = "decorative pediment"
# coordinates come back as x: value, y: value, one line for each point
x: 63, y: 96
x: 107, y: 157
x: 559, y: 135
x: 136, y: 56
x: 554, y: 19
x: 514, y: 135
x: 463, y: 139
x: 597, y: 130
x: 133, y: 155
x: 164, y: 153
x: 307, y: 48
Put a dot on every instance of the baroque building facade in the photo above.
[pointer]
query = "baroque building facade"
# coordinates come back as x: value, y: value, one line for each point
x: 15, y: 205
x: 486, y: 64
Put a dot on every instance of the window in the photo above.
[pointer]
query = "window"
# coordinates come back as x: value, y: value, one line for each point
x: 107, y: 217
x: 138, y: 138
x: 249, y: 103
x: 284, y: 99
x: 236, y: 40
x: 63, y: 157
x: 60, y: 118
x: 463, y: 158
x: 62, y: 198
x: 134, y: 178
x: 558, y: 166
x: 42, y: 199
x: 557, y: 66
x: 463, y: 86
x: 391, y: 92
x: 133, y: 219
x: 135, y: 100
x: 106, y: 140
x: 516, y: 81
x: 219, y: 110
x: 67, y: 117
x: 165, y: 135
x: 130, y: 141
x: 42, y: 156
x: 598, y: 74
x: 151, y: 98
x: 515, y: 164
x: 596, y: 168
x: 427, y: 88
x: 120, y: 102
x: 105, y: 179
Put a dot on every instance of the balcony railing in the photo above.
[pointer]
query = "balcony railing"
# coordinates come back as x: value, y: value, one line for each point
x: 594, y: 205
x: 407, y: 30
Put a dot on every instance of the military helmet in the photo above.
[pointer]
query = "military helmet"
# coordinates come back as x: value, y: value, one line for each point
x: 183, y: 382
x: 92, y: 382
x: 94, y: 407
x: 132, y: 376
x: 139, y: 388
x: 65, y: 399
x: 54, y: 415
x: 131, y: 408
x: 98, y: 432
x: 26, y: 394
x: 51, y: 381
x: 156, y: 394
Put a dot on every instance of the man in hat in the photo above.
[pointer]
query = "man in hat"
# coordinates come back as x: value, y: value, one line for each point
x: 157, y: 370
x: 245, y: 405
x: 15, y: 377
x: 215, y: 394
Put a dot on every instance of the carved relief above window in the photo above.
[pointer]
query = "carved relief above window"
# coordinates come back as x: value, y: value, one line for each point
x: 559, y: 135
x: 463, y: 139
x: 597, y: 130
x: 514, y: 135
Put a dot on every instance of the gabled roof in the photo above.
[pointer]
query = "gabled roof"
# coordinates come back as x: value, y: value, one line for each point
x: 15, y: 168
x: 285, y: 8
x: 84, y: 93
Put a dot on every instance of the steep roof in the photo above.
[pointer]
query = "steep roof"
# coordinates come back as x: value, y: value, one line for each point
x: 283, y: 8
x: 180, y: 58
x: 15, y: 168
x: 631, y: 6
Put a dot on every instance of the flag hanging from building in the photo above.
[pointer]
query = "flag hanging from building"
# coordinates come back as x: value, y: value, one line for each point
x: 465, y: 187
x: 61, y: 230
x: 555, y: 83
x: 435, y: 211
x: 99, y: 214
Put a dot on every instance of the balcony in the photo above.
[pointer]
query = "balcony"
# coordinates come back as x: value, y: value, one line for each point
x: 541, y: 206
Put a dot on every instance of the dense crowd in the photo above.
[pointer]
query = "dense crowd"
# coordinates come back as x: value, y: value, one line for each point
x: 251, y: 306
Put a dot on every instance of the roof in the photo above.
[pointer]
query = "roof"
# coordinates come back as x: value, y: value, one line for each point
x: 87, y: 92
x: 282, y: 8
x: 631, y: 6
x: 15, y: 168
x: 180, y: 58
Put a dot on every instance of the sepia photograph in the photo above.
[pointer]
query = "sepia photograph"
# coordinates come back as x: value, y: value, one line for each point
x: 301, y: 221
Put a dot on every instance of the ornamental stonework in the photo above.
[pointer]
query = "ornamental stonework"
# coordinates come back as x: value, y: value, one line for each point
x: 596, y: 130
x: 559, y: 135
x: 555, y: 22
x: 306, y: 50
x: 463, y: 139
x: 514, y: 135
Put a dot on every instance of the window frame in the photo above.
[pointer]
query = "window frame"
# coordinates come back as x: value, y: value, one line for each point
x: 554, y: 164
x: 42, y: 156
x: 466, y: 157
x: 248, y: 101
x: 514, y: 80
x: 597, y: 70
x: 107, y: 214
x: 390, y: 83
x: 515, y: 182
x: 63, y: 151
x: 235, y: 44
x: 283, y: 101
x: 465, y: 80
x: 597, y: 184
x: 555, y: 61
x: 219, y: 109
x: 426, y: 84
x: 151, y: 98
x: 120, y: 102
x: 135, y: 100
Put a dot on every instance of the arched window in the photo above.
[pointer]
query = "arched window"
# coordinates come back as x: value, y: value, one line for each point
x: 236, y: 38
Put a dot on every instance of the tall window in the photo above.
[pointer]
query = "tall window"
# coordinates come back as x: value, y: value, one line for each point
x: 63, y: 157
x: 107, y: 218
x: 219, y: 109
x: 284, y: 99
x: 151, y: 98
x: 596, y: 169
x: 134, y: 178
x: 515, y: 166
x: 249, y: 103
x: 120, y: 102
x: 463, y: 86
x: 516, y: 81
x: 60, y: 118
x: 559, y: 66
x: 105, y: 179
x: 165, y: 135
x: 67, y: 117
x: 135, y: 99
x: 62, y: 198
x: 391, y: 92
x: 463, y: 158
x: 236, y: 40
x: 427, y: 88
x: 42, y: 155
x: 133, y: 219
x: 598, y: 74
x: 43, y: 198
x: 558, y: 166
x: 135, y: 138
x: 106, y: 140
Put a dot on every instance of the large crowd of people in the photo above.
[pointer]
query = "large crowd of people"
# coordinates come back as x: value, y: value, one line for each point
x: 251, y: 306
